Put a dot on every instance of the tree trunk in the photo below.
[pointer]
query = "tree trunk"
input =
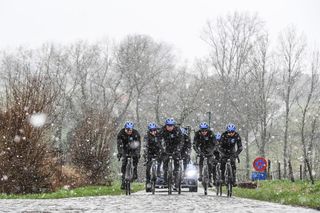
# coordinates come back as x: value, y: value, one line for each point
x: 137, y: 110
x: 291, y: 171
x: 247, y: 154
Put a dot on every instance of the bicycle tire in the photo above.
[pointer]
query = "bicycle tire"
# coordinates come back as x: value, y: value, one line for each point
x: 128, y: 176
x: 153, y: 187
x: 218, y: 180
x: 170, y: 171
x: 229, y: 179
x: 128, y: 189
x: 205, y: 173
x: 153, y: 176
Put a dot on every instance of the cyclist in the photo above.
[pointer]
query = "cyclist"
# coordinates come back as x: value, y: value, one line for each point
x: 186, y: 147
x: 152, y: 149
x: 128, y: 143
x: 204, y: 144
x: 229, y: 140
x: 172, y: 143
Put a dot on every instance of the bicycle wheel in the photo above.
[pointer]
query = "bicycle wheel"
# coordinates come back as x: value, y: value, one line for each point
x: 128, y: 176
x: 153, y: 186
x: 205, y: 181
x: 218, y: 180
x: 153, y: 177
x: 179, y: 179
x: 128, y: 190
x: 170, y: 177
x: 229, y: 179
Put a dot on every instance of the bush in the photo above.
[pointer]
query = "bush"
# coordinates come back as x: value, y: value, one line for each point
x: 90, y: 147
x: 27, y: 163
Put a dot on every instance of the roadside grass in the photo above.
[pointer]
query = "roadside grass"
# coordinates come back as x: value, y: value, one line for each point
x: 299, y: 193
x: 77, y: 192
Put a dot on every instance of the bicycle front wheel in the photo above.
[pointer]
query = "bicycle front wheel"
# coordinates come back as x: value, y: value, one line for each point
x: 128, y: 187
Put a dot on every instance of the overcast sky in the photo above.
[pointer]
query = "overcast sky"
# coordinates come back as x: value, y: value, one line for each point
x: 178, y: 22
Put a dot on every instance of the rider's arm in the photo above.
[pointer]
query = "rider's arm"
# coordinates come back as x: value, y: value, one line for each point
x: 119, y: 143
x: 145, y: 147
x: 239, y: 145
x: 139, y: 147
x: 196, y: 143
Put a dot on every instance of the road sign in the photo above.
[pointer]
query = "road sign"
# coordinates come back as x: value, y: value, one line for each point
x: 260, y: 164
x: 258, y: 176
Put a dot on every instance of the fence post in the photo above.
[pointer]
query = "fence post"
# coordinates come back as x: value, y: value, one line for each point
x: 268, y: 170
x: 300, y: 172
x: 279, y: 170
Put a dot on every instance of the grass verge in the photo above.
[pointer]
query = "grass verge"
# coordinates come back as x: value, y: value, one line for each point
x: 297, y: 193
x: 77, y: 192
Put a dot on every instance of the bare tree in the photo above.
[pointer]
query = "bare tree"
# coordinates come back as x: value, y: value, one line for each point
x: 292, y: 48
x: 232, y: 41
x: 305, y: 108
x: 141, y: 60
x: 263, y: 77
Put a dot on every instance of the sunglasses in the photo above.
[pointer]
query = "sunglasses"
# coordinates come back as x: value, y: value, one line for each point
x: 204, y: 130
x: 169, y: 125
x: 129, y: 130
x: 153, y: 130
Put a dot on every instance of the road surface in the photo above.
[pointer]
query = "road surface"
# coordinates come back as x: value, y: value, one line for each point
x: 146, y: 202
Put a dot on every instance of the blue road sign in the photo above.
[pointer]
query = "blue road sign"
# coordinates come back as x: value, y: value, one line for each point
x: 258, y: 175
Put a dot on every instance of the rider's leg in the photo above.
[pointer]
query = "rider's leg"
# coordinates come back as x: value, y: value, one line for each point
x: 165, y: 169
x: 223, y: 167
x: 159, y: 167
x: 200, y: 168
x: 148, y: 167
x: 135, y: 167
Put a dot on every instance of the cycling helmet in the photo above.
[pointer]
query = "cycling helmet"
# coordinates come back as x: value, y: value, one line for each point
x: 231, y: 127
x: 128, y: 125
x: 218, y: 136
x: 203, y: 125
x: 152, y: 126
x: 170, y: 121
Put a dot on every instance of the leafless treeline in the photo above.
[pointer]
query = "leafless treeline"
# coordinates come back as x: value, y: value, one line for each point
x: 87, y: 90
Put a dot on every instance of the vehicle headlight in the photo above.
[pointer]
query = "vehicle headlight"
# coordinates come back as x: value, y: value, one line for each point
x: 191, y: 173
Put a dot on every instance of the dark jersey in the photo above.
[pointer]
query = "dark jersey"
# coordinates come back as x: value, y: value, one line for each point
x: 129, y: 144
x: 172, y: 140
x: 152, y: 144
x: 204, y: 144
x: 228, y: 143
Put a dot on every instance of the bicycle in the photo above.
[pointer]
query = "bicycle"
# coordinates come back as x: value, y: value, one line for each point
x: 128, y: 175
x: 206, y: 173
x: 170, y: 176
x: 229, y: 177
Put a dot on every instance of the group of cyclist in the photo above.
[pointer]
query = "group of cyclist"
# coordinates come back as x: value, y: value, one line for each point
x: 175, y: 141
